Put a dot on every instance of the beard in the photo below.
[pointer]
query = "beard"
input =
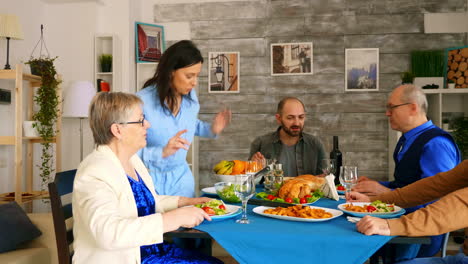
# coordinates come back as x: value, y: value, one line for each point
x: 290, y: 131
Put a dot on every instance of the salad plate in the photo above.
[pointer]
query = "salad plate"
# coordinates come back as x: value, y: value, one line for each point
x: 219, y: 210
x: 209, y: 190
x: 398, y: 211
x: 231, y: 211
x: 335, y: 213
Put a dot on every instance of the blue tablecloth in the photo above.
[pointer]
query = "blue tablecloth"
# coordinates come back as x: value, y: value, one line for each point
x: 268, y: 240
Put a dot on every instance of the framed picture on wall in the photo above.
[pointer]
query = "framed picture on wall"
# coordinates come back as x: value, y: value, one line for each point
x: 223, y: 72
x: 362, y: 69
x: 292, y: 58
x: 456, y: 66
x: 149, y: 42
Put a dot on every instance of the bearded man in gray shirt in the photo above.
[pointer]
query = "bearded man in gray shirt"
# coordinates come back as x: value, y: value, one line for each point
x: 300, y: 153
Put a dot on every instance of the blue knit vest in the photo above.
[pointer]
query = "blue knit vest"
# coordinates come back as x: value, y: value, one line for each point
x: 408, y: 169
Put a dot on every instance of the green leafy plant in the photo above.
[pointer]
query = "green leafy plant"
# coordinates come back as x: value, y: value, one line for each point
x: 48, y: 101
x: 407, y: 77
x: 451, y: 81
x: 460, y: 134
x: 427, y: 63
x: 106, y: 62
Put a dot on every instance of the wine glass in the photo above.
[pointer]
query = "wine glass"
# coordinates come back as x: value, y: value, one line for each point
x: 348, y: 177
x: 244, y: 188
x: 328, y: 166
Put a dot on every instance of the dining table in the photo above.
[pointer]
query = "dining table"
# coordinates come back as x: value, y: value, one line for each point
x: 270, y: 240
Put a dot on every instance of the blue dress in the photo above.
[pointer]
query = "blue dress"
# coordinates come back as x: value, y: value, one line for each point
x: 171, y: 175
x: 164, y: 252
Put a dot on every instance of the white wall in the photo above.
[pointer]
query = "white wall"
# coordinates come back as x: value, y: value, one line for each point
x: 20, y: 50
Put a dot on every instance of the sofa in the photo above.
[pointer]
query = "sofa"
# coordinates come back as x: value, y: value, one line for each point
x: 42, y: 250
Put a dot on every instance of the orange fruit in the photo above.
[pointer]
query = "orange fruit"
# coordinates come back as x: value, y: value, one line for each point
x: 239, y: 167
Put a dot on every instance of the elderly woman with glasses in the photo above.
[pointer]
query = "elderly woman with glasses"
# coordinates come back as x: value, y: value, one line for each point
x: 118, y: 217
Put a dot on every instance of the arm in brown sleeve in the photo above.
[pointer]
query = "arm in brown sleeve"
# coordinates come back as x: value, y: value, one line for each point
x: 428, y: 189
x: 447, y: 214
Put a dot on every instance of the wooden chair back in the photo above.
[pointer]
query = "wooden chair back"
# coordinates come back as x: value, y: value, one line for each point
x: 60, y: 191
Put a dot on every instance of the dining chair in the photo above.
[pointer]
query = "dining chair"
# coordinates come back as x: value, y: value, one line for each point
x: 60, y: 191
x: 443, y: 249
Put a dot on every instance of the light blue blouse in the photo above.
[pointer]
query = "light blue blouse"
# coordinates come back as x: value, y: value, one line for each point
x: 171, y: 175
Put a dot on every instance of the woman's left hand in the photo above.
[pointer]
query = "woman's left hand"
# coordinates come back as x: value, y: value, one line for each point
x: 184, y: 201
x: 220, y: 121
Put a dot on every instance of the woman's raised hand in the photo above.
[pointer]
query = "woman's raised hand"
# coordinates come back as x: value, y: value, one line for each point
x: 220, y: 121
x: 176, y: 143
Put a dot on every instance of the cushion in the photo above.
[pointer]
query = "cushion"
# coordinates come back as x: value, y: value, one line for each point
x: 15, y: 227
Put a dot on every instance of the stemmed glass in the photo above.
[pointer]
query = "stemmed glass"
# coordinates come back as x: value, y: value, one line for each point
x: 328, y: 166
x: 244, y: 188
x: 348, y: 177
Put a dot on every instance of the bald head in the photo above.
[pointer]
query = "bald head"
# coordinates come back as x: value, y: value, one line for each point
x: 285, y: 100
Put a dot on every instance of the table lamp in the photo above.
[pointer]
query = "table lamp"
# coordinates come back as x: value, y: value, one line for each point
x: 76, y: 104
x: 10, y: 28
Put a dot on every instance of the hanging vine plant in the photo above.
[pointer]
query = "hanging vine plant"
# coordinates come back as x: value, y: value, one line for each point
x: 48, y: 100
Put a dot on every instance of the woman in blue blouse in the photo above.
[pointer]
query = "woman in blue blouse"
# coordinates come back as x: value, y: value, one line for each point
x: 171, y: 105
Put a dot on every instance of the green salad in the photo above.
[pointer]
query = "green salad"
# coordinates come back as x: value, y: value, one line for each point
x: 380, y: 207
x: 310, y: 198
x: 213, y: 207
x: 228, y: 195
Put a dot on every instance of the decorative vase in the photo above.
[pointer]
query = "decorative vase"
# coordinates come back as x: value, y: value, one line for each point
x: 106, y: 67
x: 29, y: 130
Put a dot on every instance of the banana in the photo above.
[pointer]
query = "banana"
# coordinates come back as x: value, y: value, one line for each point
x: 227, y: 169
x: 222, y: 164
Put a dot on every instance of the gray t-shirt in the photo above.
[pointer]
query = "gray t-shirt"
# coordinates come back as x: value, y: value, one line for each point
x: 288, y: 159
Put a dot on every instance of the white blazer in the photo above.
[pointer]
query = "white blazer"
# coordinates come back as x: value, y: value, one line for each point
x: 106, y: 226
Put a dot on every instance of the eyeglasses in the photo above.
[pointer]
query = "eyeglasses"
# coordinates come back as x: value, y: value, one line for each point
x: 142, y: 122
x: 391, y: 107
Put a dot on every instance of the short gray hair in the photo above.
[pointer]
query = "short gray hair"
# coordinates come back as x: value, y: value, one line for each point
x: 108, y: 108
x: 414, y: 94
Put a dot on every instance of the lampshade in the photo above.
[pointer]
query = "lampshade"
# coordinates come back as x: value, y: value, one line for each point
x: 77, y: 99
x: 10, y: 27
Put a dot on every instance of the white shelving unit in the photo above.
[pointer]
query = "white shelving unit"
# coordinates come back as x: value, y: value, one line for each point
x: 107, y: 44
x: 440, y: 101
x: 145, y: 71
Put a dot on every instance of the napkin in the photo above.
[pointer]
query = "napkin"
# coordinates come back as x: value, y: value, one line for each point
x: 329, y: 189
x: 353, y: 219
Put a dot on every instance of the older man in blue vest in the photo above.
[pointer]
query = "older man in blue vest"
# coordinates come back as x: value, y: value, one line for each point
x: 422, y: 151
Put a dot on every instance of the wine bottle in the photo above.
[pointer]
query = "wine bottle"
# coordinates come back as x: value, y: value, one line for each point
x: 338, y: 157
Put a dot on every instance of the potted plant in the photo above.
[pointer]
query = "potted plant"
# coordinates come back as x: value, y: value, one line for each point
x: 106, y: 62
x: 451, y: 84
x: 445, y: 124
x: 407, y: 77
x: 460, y: 134
x: 46, y: 118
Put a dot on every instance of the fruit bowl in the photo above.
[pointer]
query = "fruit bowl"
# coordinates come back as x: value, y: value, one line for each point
x: 225, y: 191
x: 229, y: 178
